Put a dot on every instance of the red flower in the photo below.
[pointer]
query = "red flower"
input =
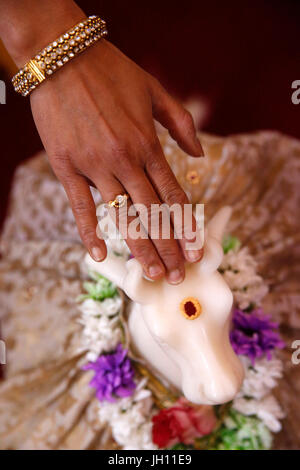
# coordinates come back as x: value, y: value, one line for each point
x: 182, y: 423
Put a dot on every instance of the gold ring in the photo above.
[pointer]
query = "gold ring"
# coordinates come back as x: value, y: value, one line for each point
x: 119, y: 201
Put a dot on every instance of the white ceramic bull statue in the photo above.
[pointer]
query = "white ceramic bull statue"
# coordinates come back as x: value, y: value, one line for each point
x: 182, y: 331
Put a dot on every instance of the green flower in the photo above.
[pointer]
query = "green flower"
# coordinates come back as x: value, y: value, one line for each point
x: 99, y: 290
x: 239, y: 432
x: 231, y: 243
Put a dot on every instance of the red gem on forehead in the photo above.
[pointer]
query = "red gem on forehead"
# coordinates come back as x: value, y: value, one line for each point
x: 190, y: 308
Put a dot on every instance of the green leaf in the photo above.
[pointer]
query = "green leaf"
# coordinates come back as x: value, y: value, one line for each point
x: 231, y: 243
x: 100, y: 289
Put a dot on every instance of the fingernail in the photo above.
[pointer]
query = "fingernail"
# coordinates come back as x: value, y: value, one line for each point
x: 96, y: 253
x: 155, y: 270
x: 175, y: 276
x: 194, y: 255
x: 199, y: 146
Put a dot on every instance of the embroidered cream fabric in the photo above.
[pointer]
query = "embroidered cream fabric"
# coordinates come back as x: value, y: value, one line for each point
x: 45, y: 401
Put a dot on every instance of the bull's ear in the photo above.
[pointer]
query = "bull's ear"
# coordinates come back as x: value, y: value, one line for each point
x: 213, y: 251
x: 113, y: 268
x: 136, y: 286
x: 216, y: 226
x: 212, y: 257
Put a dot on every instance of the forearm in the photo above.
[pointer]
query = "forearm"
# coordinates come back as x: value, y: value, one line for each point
x: 26, y: 26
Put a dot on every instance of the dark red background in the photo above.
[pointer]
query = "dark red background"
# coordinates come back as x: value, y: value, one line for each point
x: 241, y: 55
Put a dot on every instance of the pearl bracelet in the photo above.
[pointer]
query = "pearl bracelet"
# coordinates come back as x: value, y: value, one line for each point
x: 58, y: 53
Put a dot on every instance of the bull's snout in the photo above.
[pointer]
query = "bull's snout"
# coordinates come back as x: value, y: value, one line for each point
x: 213, y: 390
x: 212, y: 378
x: 223, y: 390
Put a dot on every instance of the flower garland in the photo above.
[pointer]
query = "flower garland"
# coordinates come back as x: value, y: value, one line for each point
x: 128, y: 401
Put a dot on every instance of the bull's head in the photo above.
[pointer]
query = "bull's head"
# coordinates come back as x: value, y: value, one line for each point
x: 183, y: 331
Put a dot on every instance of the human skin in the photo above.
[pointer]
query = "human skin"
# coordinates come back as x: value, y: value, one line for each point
x: 96, y: 120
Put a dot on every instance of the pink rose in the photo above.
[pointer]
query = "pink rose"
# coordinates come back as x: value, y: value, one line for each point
x: 182, y: 422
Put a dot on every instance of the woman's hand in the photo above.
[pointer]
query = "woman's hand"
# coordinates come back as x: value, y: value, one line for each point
x: 96, y: 120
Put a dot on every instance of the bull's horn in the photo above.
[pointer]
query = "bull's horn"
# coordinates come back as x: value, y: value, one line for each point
x: 113, y: 268
x: 216, y: 226
x: 136, y: 286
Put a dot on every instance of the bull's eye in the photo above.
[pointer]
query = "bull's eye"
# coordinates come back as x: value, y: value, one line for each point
x: 190, y: 308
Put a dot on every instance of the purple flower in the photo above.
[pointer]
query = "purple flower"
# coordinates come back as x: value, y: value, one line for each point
x: 113, y: 375
x: 253, y: 334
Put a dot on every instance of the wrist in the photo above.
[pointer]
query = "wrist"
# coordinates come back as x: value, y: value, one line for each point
x: 58, y: 52
x: 26, y: 31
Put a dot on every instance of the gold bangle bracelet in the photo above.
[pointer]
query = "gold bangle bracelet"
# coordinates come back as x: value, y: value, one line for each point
x: 58, y: 53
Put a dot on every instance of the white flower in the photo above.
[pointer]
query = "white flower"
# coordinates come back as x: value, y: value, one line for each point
x: 141, y: 438
x: 239, y: 270
x: 108, y: 307
x: 260, y: 378
x: 267, y: 409
x: 130, y: 419
x: 101, y: 332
